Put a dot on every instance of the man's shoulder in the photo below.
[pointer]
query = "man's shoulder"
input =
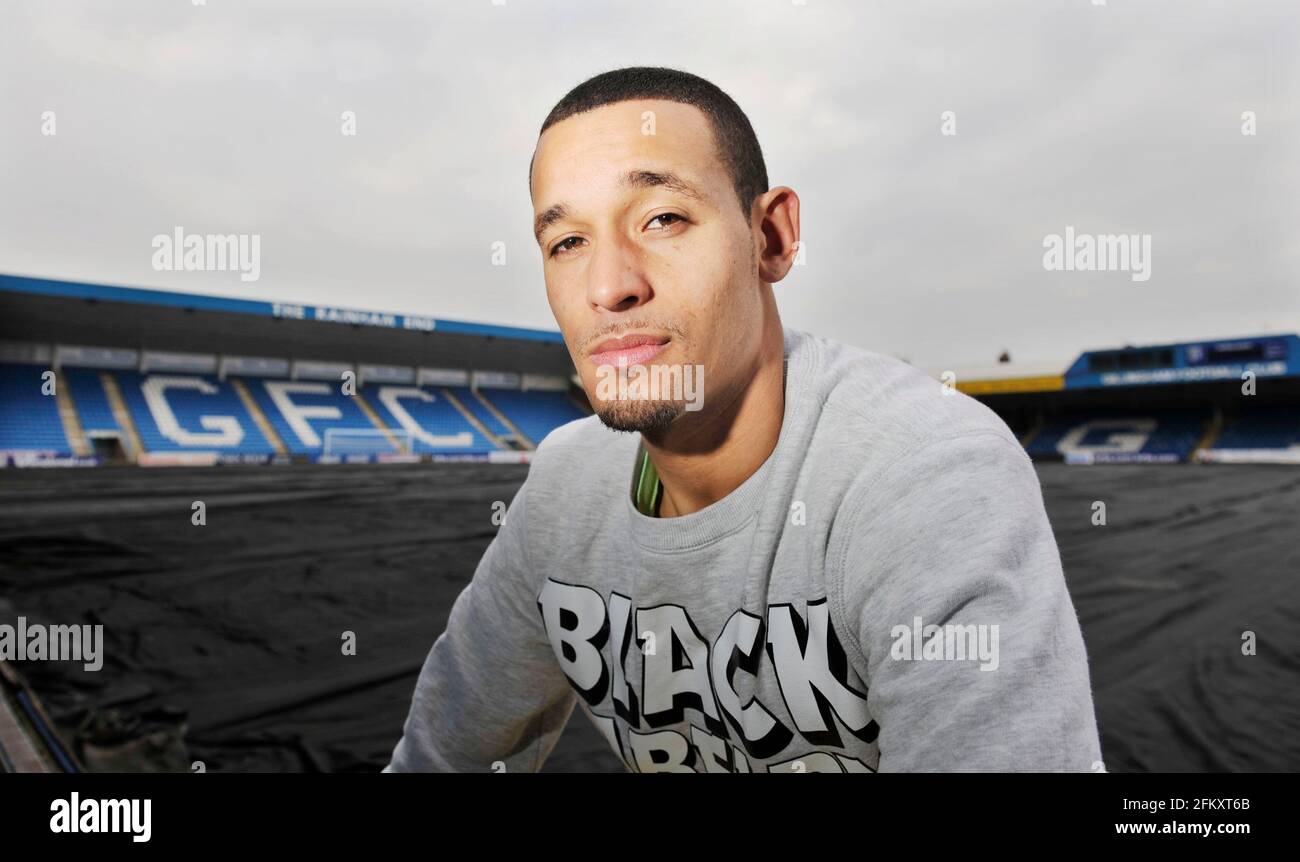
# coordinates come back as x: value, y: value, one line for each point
x: 889, y: 408
x: 580, y: 454
x: 587, y: 435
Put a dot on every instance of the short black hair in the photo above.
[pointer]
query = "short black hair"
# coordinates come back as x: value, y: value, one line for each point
x: 733, y: 135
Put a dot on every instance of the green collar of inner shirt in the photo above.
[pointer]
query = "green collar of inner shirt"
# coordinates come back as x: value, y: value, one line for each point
x: 647, y: 490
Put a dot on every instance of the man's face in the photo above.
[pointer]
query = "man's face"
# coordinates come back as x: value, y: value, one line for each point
x: 643, y: 239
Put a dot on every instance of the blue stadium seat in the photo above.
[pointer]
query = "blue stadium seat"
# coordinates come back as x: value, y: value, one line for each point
x: 29, y: 420
x: 1164, y: 433
x: 192, y: 400
x: 1261, y: 428
x: 481, y: 413
x: 435, y: 416
x: 536, y: 412
x: 341, y: 412
x: 88, y: 394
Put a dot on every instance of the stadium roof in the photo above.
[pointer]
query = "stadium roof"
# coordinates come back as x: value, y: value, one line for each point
x: 1006, y: 377
x: 47, y: 310
x: 297, y: 311
x: 1157, y: 364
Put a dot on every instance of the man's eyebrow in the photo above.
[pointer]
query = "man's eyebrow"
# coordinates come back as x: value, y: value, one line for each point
x: 666, y: 179
x: 641, y: 179
x: 548, y: 218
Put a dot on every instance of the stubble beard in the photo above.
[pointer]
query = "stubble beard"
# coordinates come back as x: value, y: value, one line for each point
x: 645, y: 417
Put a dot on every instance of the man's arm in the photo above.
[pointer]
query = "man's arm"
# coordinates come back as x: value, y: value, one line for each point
x: 490, y: 689
x: 955, y: 534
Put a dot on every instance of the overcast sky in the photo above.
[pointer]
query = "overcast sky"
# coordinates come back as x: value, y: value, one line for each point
x: 1122, y: 118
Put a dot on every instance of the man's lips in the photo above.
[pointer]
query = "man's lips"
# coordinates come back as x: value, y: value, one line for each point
x: 628, y: 350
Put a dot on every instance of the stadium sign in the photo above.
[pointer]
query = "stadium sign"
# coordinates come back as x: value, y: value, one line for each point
x: 286, y: 310
x: 1193, y: 375
x: 1197, y: 362
x: 363, y: 318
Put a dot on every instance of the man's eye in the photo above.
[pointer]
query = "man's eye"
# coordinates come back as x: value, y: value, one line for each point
x: 670, y: 216
x: 563, y: 245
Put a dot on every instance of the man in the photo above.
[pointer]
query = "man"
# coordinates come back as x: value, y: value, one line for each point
x: 796, y: 556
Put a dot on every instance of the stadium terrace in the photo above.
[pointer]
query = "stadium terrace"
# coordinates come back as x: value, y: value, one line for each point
x: 216, y: 380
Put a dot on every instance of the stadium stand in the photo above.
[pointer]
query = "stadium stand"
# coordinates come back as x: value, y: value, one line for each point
x: 132, y: 386
x: 196, y: 414
x: 1227, y: 401
x: 186, y: 412
x: 29, y: 418
x: 466, y: 397
x: 1165, y: 435
x: 536, y: 414
x: 1262, y: 428
x: 435, y: 424
x: 1257, y: 435
x: 91, y: 400
x: 300, y: 411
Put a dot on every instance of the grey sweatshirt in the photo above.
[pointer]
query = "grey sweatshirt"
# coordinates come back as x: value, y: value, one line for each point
x: 883, y: 594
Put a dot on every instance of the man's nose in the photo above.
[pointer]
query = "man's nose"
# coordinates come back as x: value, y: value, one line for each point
x: 616, y: 277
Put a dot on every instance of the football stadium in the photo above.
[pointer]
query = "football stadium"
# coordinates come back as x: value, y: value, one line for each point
x: 328, y: 473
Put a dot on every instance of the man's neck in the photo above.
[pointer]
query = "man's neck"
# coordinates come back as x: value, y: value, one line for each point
x: 700, y: 463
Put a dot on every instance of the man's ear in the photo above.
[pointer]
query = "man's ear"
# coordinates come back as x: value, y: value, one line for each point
x: 778, y: 213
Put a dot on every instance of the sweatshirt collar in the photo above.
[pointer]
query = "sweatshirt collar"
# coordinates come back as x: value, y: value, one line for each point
x: 734, y: 511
